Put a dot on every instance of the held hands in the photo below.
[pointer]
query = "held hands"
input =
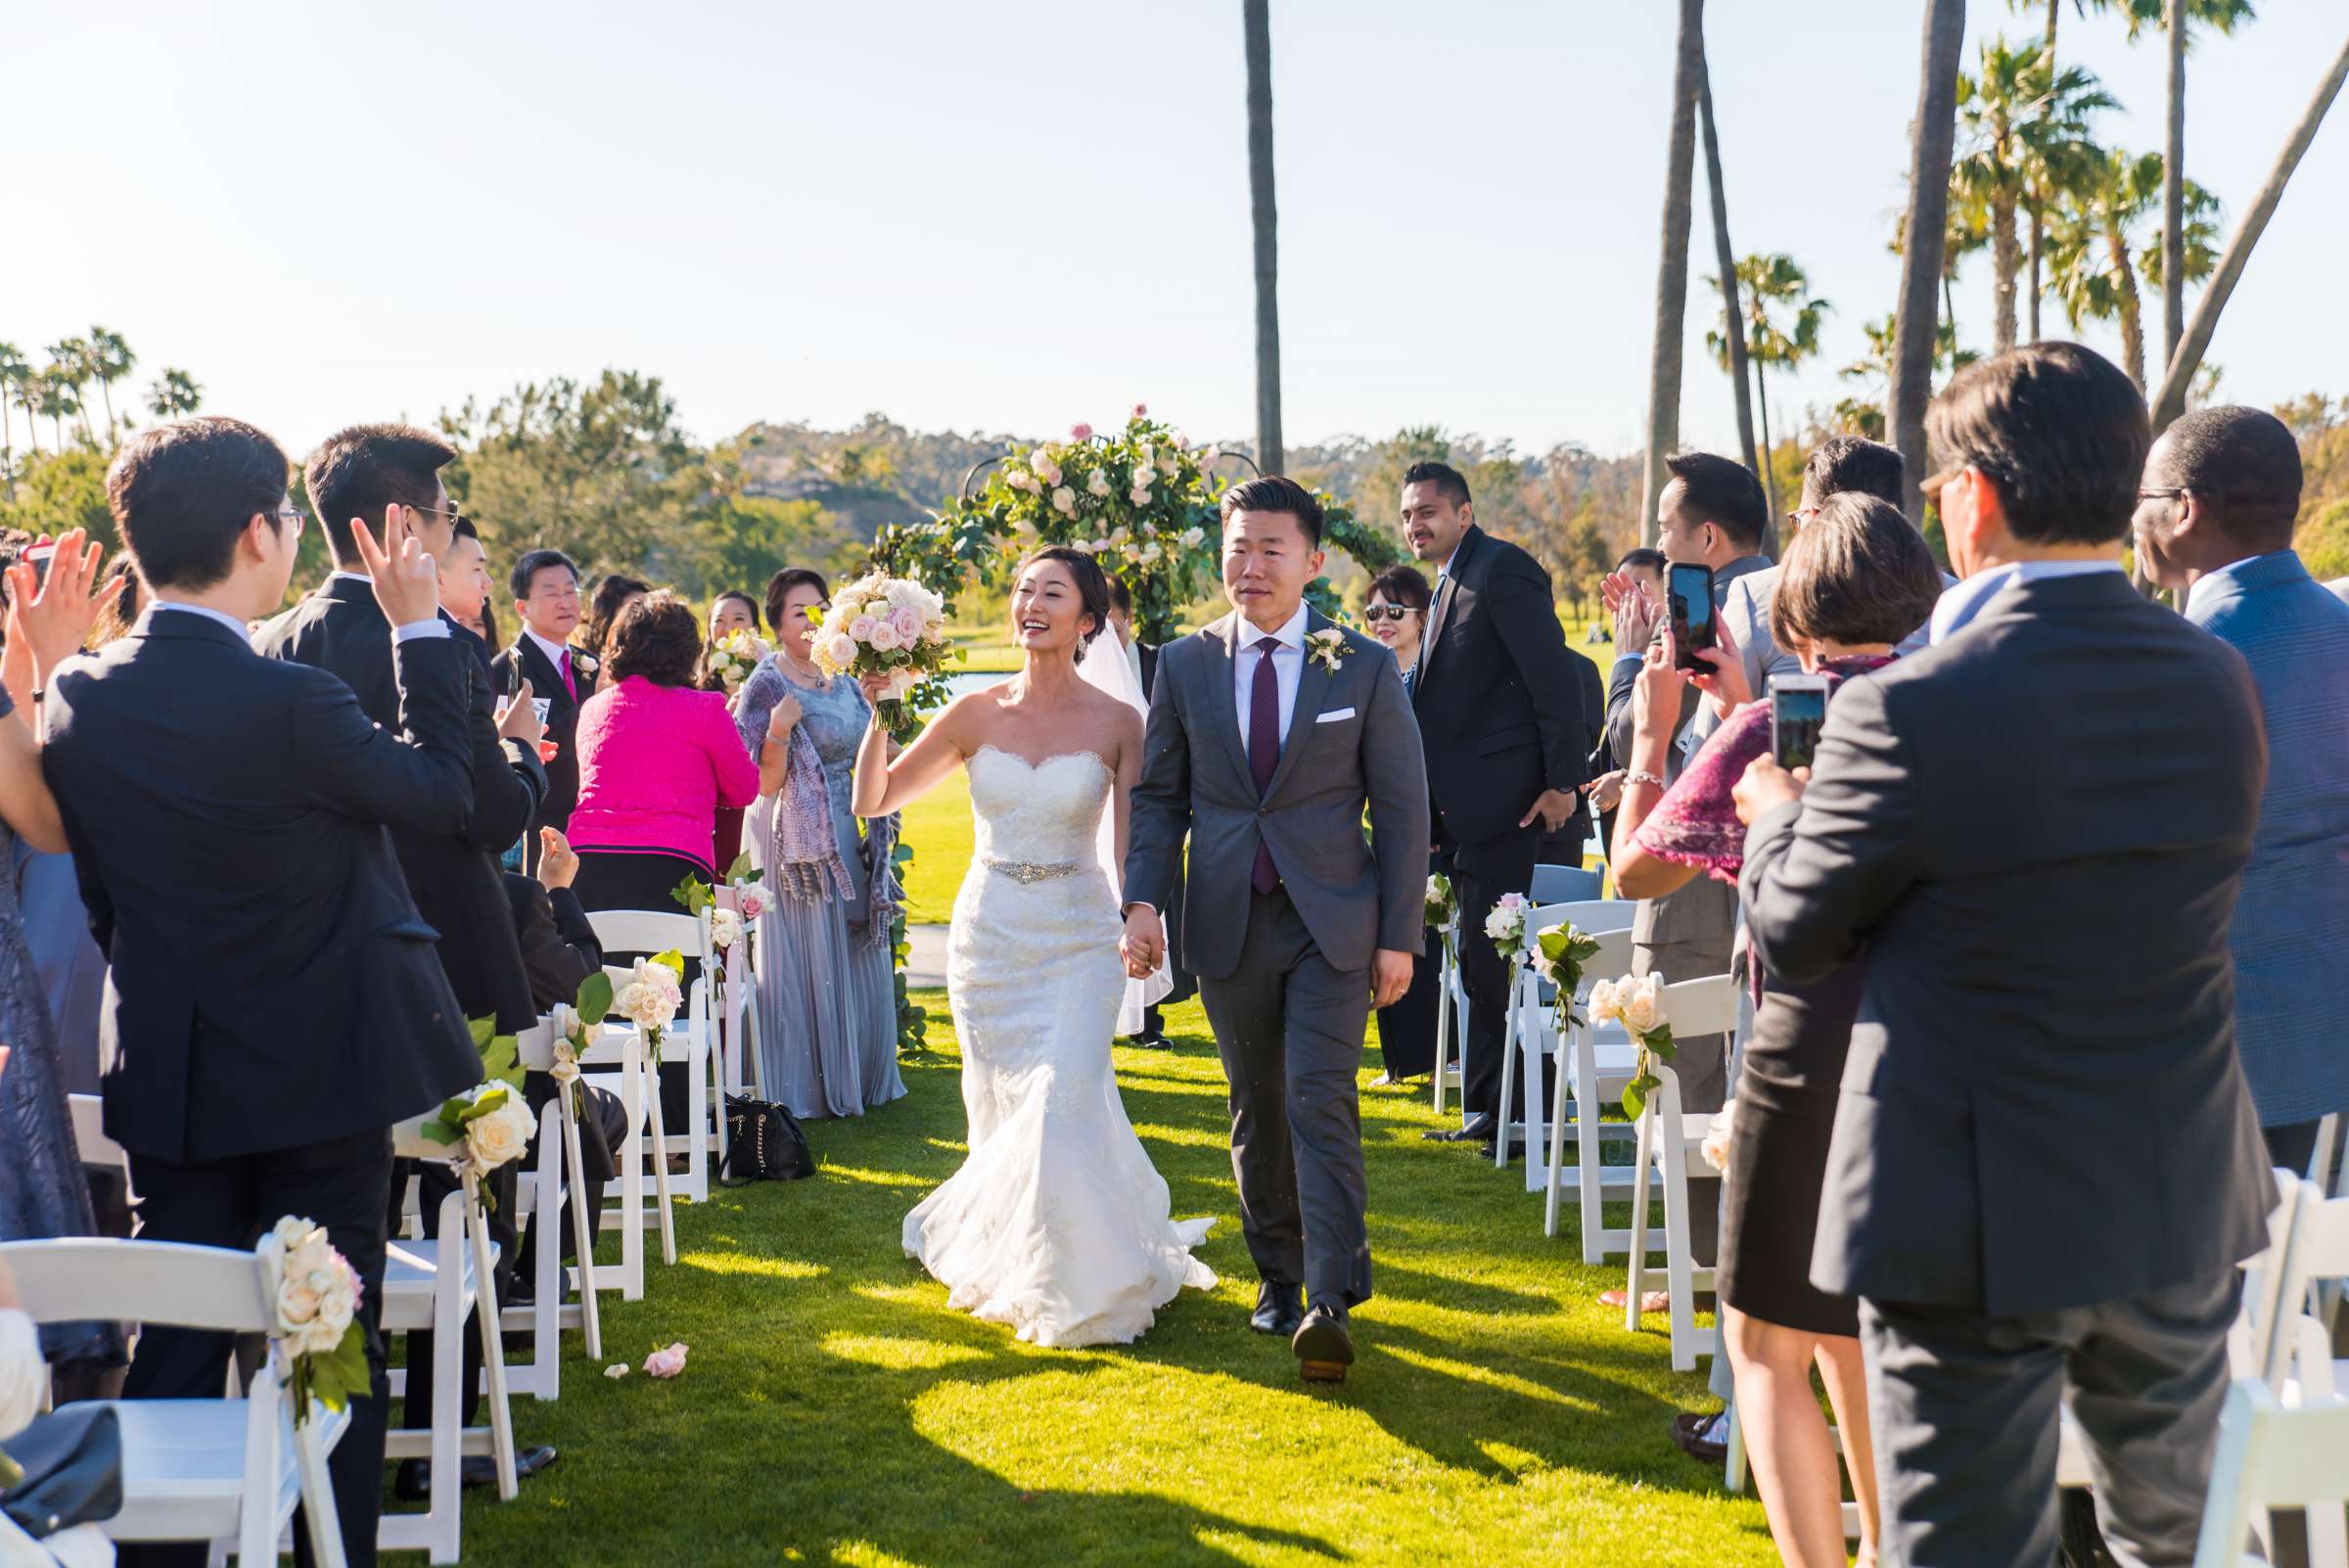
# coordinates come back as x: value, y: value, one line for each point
x: 1765, y: 786
x: 518, y: 720
x: 53, y: 616
x: 1144, y: 943
x: 1390, y: 976
x: 406, y: 582
x: 558, y: 861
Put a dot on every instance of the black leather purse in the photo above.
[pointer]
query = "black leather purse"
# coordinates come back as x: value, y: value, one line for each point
x: 72, y: 1471
x: 764, y: 1143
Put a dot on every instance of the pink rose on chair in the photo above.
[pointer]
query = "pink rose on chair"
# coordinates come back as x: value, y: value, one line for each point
x: 668, y: 1362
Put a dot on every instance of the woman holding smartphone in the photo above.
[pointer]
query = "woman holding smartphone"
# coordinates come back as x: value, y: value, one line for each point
x: 1851, y: 584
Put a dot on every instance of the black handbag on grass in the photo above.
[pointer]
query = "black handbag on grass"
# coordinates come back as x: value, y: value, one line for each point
x: 764, y: 1143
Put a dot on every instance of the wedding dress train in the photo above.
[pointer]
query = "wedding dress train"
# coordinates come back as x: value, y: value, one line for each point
x: 1057, y: 1222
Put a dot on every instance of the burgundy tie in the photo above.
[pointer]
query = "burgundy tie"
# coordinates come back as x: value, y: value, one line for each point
x: 1264, y: 748
x: 570, y: 685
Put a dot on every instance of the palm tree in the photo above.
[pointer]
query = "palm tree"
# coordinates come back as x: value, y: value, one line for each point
x: 25, y: 384
x: 1765, y: 282
x: 12, y: 367
x: 1932, y: 138
x: 58, y: 394
x: 175, y: 394
x: 1671, y: 265
x: 2170, y: 401
x: 1726, y: 260
x: 109, y: 360
x: 1257, y: 23
x: 70, y: 359
x: 2025, y: 126
x: 2096, y: 250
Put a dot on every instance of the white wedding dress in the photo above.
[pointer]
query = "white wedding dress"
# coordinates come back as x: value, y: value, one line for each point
x: 1057, y: 1222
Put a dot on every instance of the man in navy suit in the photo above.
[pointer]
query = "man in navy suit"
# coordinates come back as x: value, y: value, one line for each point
x: 275, y: 1004
x: 2214, y: 521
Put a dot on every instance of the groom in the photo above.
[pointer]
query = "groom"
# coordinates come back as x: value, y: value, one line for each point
x: 1270, y: 733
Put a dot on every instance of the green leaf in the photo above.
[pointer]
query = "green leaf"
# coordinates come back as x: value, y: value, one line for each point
x: 482, y: 1029
x: 674, y: 959
x: 1634, y: 1097
x: 740, y: 870
x: 693, y: 894
x: 594, y: 1001
x: 488, y: 1100
x: 440, y: 1133
x: 1659, y: 1043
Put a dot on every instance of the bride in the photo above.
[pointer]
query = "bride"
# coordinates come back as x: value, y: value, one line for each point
x: 1057, y: 1222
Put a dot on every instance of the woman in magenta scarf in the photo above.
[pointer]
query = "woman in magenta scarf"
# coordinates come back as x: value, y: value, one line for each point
x: 1854, y: 582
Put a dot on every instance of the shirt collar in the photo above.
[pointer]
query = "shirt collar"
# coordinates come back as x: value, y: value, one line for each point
x: 2210, y: 583
x: 555, y: 652
x: 1290, y: 635
x: 340, y: 575
x: 1958, y: 606
x: 206, y: 611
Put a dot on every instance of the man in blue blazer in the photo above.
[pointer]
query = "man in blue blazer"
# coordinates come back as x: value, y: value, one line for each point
x: 2214, y: 521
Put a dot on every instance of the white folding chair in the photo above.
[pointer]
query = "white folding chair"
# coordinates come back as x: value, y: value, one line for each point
x: 1451, y: 1019
x: 647, y: 931
x: 89, y: 1133
x: 741, y: 1071
x: 1669, y: 1141
x: 619, y: 1049
x: 1563, y: 884
x: 2270, y: 1457
x: 229, y: 1471
x: 1526, y: 1033
x: 432, y: 1286
x: 556, y: 1180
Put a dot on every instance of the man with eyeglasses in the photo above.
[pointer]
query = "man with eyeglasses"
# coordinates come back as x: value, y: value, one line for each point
x: 546, y: 596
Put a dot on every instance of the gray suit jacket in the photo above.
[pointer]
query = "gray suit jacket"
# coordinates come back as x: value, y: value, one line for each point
x: 1702, y: 909
x: 2041, y: 1107
x: 1352, y: 745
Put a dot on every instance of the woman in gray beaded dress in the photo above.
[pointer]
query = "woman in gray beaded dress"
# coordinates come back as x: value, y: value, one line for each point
x: 827, y: 989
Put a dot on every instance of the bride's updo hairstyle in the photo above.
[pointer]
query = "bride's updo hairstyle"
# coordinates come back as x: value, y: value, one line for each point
x: 1093, y: 585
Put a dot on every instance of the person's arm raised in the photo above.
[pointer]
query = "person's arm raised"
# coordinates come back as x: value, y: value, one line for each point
x: 884, y: 786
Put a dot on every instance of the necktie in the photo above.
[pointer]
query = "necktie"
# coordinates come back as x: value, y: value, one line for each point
x: 570, y: 685
x: 1427, y: 628
x: 1264, y: 748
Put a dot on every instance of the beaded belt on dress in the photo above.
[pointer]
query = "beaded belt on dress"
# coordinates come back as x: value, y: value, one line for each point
x: 1029, y: 870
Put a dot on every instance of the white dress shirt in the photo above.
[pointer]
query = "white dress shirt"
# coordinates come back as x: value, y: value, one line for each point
x: 1288, y: 665
x: 1958, y: 606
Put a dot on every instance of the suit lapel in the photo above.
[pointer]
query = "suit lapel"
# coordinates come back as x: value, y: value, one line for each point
x: 1223, y: 704
x: 1447, y: 595
x: 1313, y: 684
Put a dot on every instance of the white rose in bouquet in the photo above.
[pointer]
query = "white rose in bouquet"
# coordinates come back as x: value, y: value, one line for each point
x: 1605, y: 1000
x: 1098, y: 483
x: 1170, y: 466
x: 1179, y: 440
x: 502, y: 1135
x: 1140, y: 494
x: 1149, y: 553
x: 883, y: 639
x: 1643, y: 1004
x: 1064, y: 501
x: 1145, y: 457
x: 840, y: 649
x: 318, y: 1293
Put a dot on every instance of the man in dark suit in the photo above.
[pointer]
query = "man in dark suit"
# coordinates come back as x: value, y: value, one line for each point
x: 1153, y: 1034
x: 274, y: 1005
x: 1500, y: 713
x: 2044, y: 1164
x: 365, y: 470
x: 546, y: 596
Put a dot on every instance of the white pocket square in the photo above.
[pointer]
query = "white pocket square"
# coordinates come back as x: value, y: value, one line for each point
x: 1333, y: 717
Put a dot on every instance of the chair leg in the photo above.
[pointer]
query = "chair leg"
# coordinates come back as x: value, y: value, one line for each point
x: 546, y: 1309
x: 319, y: 1518
x: 493, y: 1347
x: 1557, y: 1147
x: 660, y: 1149
x: 1635, y: 1273
x: 449, y: 1366
x: 1442, y: 1032
x: 582, y: 1230
x: 1508, y: 1078
x: 1679, y: 1266
x: 1733, y: 1477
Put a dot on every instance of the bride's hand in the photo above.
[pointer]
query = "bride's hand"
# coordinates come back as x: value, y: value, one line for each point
x: 875, y: 688
x: 1144, y: 943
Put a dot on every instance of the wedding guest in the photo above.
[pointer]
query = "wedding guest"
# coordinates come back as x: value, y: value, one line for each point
x: 1641, y: 571
x: 2214, y: 521
x: 2046, y: 1166
x: 226, y: 813
x: 465, y: 590
x: 1709, y: 512
x: 734, y: 611
x: 367, y: 471
x: 1397, y: 616
x: 614, y: 593
x: 827, y: 992
x: 1143, y: 658
x: 1854, y: 582
x: 1840, y: 465
x: 546, y: 597
x: 1499, y: 711
x: 730, y: 612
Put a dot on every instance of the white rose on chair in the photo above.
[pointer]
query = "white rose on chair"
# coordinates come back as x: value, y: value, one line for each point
x: 726, y: 928
x: 317, y: 1318
x: 1642, y: 1004
x: 1506, y: 925
x: 1636, y: 1001
x: 651, y: 997
x: 500, y: 1136
x: 1720, y: 1138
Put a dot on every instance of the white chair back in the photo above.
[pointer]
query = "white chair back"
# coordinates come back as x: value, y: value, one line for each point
x: 1557, y: 883
x: 1712, y: 1005
x: 2316, y: 1253
x: 648, y: 931
x: 89, y: 1133
x: 536, y: 1045
x: 85, y: 1278
x: 2273, y: 1458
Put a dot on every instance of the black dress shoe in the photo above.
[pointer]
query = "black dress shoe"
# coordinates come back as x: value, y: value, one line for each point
x: 1148, y: 1042
x: 414, y: 1482
x: 1516, y: 1149
x: 1280, y: 1307
x: 1479, y: 1130
x: 1324, y: 1347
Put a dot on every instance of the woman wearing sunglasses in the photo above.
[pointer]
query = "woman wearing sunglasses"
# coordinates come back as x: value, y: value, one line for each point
x: 1397, y: 616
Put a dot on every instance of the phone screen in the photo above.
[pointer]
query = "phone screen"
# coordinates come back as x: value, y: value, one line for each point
x: 1795, y: 717
x: 1688, y: 592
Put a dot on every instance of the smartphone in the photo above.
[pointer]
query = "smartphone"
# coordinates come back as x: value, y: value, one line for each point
x: 1688, y: 596
x: 1798, y: 706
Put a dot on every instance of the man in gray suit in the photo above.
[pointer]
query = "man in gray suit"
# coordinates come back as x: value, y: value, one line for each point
x: 1272, y: 733
x: 1710, y: 513
x: 2045, y: 1166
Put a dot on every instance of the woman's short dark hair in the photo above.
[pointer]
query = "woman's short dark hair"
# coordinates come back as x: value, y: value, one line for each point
x: 181, y: 495
x: 2060, y: 432
x: 1644, y: 558
x: 1402, y: 585
x: 656, y: 637
x: 604, y: 606
x: 1092, y: 583
x: 1856, y: 574
x: 779, y: 586
x: 1278, y: 492
x: 743, y: 599
x: 534, y: 562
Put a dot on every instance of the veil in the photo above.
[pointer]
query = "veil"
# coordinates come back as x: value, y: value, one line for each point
x: 1113, y: 667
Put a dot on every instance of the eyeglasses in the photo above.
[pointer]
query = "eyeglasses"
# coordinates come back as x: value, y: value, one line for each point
x: 1800, y: 516
x: 1387, y: 611
x: 452, y: 514
x: 2176, y: 492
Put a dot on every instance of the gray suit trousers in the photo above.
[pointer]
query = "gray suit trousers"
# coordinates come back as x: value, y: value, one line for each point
x: 1290, y: 1030
x: 1965, y: 1411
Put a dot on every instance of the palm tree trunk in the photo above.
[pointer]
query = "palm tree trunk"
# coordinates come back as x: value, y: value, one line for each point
x: 2046, y: 55
x: 2170, y: 401
x: 1770, y: 486
x: 106, y: 390
x: 2173, y: 192
x: 1732, y: 320
x: 1932, y: 138
x: 1258, y: 24
x: 2005, y: 261
x: 2131, y: 306
x: 1671, y: 266
x: 2037, y: 239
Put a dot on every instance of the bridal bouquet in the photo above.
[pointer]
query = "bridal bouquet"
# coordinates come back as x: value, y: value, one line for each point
x: 489, y: 1125
x: 317, y: 1310
x: 1637, y: 1001
x: 733, y: 657
x: 884, y: 625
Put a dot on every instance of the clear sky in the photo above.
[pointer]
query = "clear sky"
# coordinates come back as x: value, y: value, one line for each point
x: 1012, y: 215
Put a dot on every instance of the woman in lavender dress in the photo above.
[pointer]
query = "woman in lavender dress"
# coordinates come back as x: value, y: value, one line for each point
x: 827, y: 988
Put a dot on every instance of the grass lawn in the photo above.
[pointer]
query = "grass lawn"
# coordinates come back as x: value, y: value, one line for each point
x: 835, y: 1412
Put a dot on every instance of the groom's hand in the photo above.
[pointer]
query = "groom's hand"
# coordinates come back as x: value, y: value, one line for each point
x: 1144, y: 943
x: 1390, y: 976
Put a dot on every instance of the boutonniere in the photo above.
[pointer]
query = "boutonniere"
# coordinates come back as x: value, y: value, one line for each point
x: 1327, y: 648
x: 584, y: 662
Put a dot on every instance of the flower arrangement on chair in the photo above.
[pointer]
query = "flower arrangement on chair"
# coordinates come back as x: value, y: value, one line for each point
x: 1506, y: 925
x: 1557, y: 955
x: 1637, y: 1001
x: 490, y: 1123
x: 324, y: 1346
x: 651, y: 999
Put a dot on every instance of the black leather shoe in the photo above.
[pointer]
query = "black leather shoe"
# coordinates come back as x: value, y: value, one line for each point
x: 1479, y: 1130
x: 1148, y: 1042
x: 414, y: 1483
x: 1324, y: 1347
x: 1280, y: 1307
